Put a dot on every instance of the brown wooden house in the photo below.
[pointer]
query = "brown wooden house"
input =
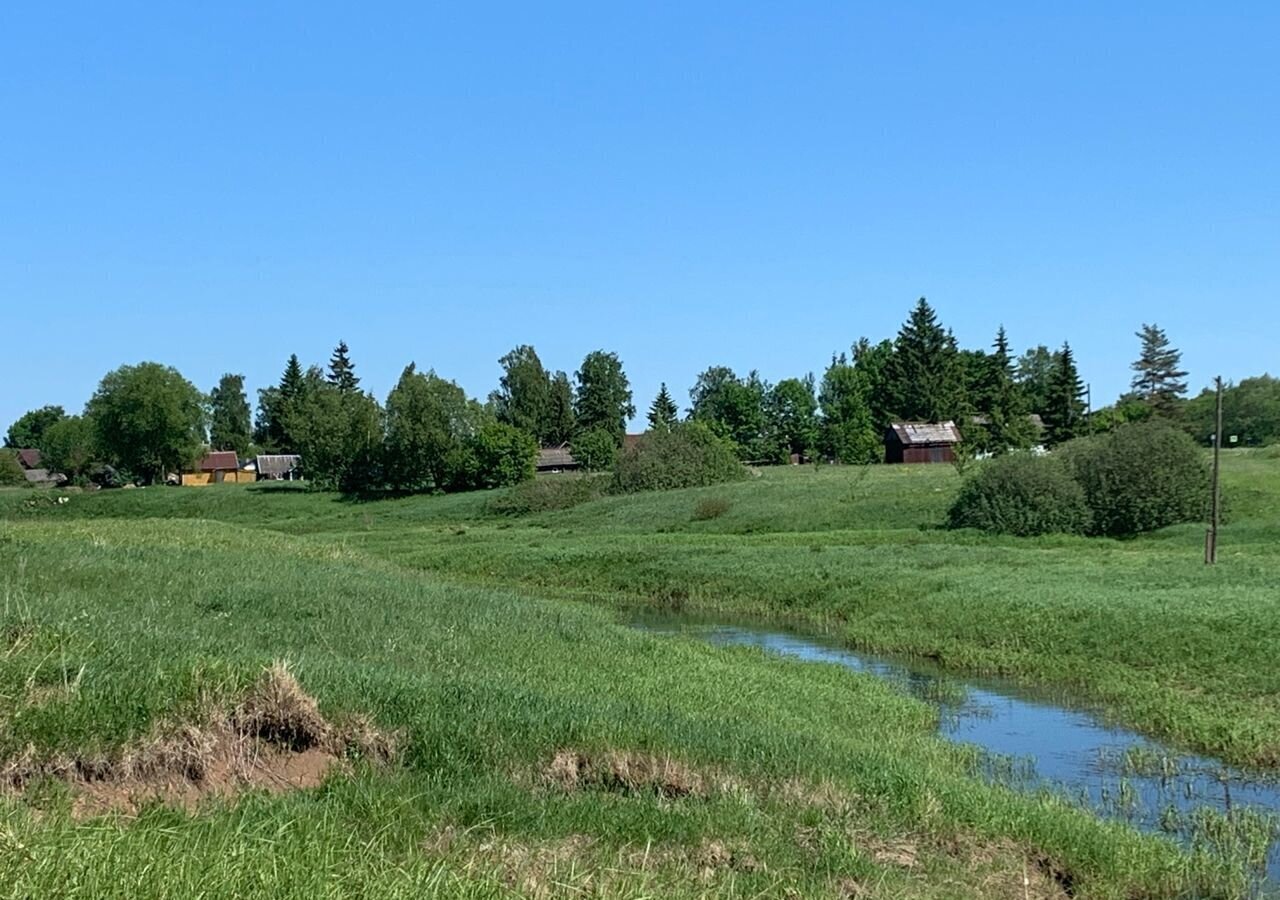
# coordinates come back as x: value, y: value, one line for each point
x: 557, y: 459
x: 921, y: 442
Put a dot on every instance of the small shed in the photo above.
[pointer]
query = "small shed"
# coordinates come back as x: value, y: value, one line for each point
x: 218, y: 467
x: 921, y: 442
x: 557, y: 459
x: 278, y: 467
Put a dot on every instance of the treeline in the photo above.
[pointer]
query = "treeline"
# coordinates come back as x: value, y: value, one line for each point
x: 146, y: 421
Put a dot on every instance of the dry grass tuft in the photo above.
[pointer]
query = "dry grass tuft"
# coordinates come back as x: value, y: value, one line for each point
x: 275, y: 739
x: 625, y: 772
x: 714, y: 856
x: 279, y: 711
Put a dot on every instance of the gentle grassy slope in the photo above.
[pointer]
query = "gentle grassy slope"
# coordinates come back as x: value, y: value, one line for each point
x: 461, y: 630
x: 111, y: 626
x: 1140, y: 627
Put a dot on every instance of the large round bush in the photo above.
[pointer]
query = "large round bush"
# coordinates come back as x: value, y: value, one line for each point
x: 1023, y: 495
x: 688, y: 455
x: 1140, y: 477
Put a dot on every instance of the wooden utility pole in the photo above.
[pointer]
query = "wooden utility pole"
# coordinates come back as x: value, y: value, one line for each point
x: 1211, y: 539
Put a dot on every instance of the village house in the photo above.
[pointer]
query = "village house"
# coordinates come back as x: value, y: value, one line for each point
x: 921, y: 442
x: 29, y: 459
x: 218, y: 467
x: 556, y: 459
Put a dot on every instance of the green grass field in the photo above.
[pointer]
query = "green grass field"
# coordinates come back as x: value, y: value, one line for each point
x: 493, y: 650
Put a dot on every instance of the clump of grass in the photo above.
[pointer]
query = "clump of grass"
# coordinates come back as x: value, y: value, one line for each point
x: 625, y: 772
x: 711, y: 508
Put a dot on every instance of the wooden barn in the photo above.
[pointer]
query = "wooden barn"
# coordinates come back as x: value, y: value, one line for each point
x: 278, y: 467
x: 556, y: 459
x: 33, y: 471
x: 218, y: 467
x: 921, y: 442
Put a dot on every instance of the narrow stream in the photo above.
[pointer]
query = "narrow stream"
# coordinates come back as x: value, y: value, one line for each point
x: 1034, y: 741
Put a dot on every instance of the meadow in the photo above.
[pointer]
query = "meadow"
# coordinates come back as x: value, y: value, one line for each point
x: 493, y: 727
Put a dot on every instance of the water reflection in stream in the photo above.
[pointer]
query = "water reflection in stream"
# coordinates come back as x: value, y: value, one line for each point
x: 1034, y: 741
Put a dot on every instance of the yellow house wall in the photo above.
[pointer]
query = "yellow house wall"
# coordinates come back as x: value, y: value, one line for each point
x: 200, y: 479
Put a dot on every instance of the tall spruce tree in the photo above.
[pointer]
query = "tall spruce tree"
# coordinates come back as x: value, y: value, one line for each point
x: 924, y: 375
x: 274, y: 405
x: 342, y: 372
x: 1063, y: 415
x: 663, y: 413
x: 1157, y: 376
x: 1001, y: 404
x: 229, y: 427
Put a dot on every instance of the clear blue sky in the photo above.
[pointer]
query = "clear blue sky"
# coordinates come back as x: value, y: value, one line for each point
x: 750, y: 184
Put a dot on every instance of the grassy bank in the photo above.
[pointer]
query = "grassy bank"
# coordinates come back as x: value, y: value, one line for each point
x: 129, y: 614
x: 1141, y: 628
x: 694, y: 771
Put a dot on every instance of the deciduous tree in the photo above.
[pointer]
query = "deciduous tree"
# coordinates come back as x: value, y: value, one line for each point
x: 524, y: 396
x: 30, y: 427
x: 1032, y: 375
x: 148, y: 419
x: 603, y: 396
x: 732, y: 408
x: 791, y: 413
x: 229, y: 414
x: 561, y: 423
x: 429, y: 422
x: 848, y: 434
x: 68, y: 447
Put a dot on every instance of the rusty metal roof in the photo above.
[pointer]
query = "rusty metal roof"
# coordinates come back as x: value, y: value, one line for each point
x: 220, y: 461
x: 915, y: 433
x: 29, y: 458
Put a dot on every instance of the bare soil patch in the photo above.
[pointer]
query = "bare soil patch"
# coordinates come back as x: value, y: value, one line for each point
x: 275, y: 740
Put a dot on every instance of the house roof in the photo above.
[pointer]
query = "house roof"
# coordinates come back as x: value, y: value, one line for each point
x: 278, y: 463
x: 556, y: 457
x: 914, y: 433
x: 29, y: 458
x: 219, y: 461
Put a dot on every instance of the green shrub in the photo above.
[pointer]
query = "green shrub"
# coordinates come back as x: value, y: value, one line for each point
x: 11, y: 470
x: 1140, y: 477
x: 548, y: 492
x: 689, y: 455
x: 500, y: 455
x: 1022, y: 495
x: 711, y: 508
x: 595, y: 450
